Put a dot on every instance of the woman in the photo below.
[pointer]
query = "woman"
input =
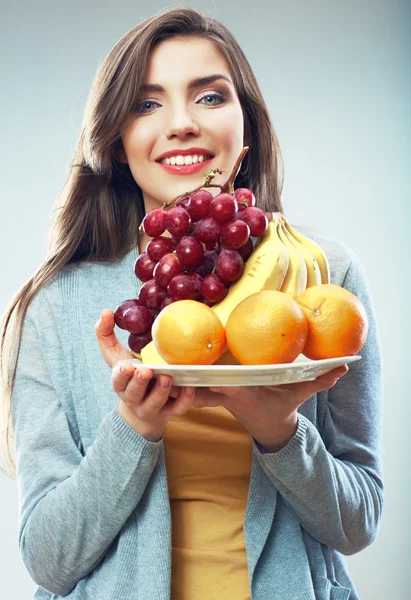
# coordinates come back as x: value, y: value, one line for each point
x: 128, y: 486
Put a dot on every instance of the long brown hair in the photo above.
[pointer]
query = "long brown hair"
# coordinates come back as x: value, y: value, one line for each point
x: 101, y: 206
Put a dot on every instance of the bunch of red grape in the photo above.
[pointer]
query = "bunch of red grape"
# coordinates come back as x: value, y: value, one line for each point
x: 211, y: 239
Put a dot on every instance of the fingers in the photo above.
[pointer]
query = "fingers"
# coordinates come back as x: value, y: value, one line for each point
x: 179, y: 406
x: 130, y: 383
x: 157, y: 398
x: 333, y: 376
x: 147, y: 397
x: 105, y: 328
x: 110, y: 347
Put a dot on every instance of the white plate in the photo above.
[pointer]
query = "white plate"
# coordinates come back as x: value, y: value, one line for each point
x: 302, y: 369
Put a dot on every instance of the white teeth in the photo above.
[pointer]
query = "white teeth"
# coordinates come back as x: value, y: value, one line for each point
x: 184, y: 160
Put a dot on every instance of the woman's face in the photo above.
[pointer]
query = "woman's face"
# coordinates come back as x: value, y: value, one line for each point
x: 189, y: 112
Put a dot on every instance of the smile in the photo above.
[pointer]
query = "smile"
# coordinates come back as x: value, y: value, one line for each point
x: 185, y: 165
x: 190, y: 159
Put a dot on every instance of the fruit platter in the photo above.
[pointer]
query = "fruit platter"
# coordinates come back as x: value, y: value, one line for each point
x: 232, y: 295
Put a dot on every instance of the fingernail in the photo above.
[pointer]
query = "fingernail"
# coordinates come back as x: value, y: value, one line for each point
x: 143, y: 374
x: 127, y: 369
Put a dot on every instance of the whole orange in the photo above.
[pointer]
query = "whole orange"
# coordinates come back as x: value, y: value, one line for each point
x: 337, y: 321
x: 268, y: 327
x: 188, y: 332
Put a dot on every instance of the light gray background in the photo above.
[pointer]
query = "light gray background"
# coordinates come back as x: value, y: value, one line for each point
x: 336, y: 77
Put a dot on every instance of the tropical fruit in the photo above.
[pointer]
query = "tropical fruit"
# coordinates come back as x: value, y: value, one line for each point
x: 337, y: 321
x: 268, y: 327
x: 188, y: 332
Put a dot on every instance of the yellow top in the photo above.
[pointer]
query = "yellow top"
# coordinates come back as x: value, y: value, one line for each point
x: 208, y: 459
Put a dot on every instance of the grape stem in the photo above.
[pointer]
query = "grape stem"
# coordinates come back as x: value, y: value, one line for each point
x: 227, y: 187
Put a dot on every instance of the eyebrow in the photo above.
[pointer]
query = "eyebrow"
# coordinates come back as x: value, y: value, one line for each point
x: 194, y: 83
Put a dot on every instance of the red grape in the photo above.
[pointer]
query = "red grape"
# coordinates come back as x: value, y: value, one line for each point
x: 184, y: 286
x: 234, y: 234
x: 121, y: 309
x: 206, y: 265
x: 213, y: 288
x: 151, y: 294
x: 205, y: 301
x: 158, y: 246
x: 137, y: 341
x: 178, y: 221
x: 207, y: 231
x: 244, y: 197
x: 137, y: 319
x: 185, y: 202
x: 199, y: 205
x: 256, y: 219
x: 246, y: 250
x: 144, y: 267
x: 230, y: 265
x: 168, y: 267
x: 154, y: 223
x: 223, y: 207
x: 190, y: 251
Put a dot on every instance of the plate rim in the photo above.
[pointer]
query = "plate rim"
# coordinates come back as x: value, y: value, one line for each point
x: 270, y: 367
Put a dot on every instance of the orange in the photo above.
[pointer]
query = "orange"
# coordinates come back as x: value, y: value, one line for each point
x: 188, y: 332
x: 337, y: 321
x: 268, y: 327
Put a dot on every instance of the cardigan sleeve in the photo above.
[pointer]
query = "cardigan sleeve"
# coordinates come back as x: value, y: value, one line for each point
x: 72, y: 505
x: 332, y: 476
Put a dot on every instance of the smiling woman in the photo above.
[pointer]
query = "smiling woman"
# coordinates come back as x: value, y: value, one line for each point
x: 175, y: 119
x: 131, y: 487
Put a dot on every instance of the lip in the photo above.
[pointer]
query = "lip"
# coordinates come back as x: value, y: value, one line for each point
x: 185, y: 152
x: 186, y: 169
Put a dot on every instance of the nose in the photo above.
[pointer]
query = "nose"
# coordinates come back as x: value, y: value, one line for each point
x: 181, y: 124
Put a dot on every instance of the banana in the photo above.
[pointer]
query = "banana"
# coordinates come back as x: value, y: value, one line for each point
x: 266, y: 268
x: 150, y: 356
x: 315, y: 250
x: 295, y: 280
x: 313, y: 270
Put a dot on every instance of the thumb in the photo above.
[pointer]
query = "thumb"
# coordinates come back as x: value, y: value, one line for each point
x: 110, y: 347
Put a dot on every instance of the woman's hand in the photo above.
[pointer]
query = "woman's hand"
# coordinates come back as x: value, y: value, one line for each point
x: 269, y: 413
x: 146, y: 404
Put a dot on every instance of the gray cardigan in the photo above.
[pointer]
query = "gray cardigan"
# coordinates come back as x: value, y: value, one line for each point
x: 94, y: 510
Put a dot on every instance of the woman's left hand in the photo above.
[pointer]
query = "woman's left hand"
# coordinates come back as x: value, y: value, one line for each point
x: 269, y: 413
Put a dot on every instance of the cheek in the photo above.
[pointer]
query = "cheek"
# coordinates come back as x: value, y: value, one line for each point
x: 230, y: 128
x: 137, y: 141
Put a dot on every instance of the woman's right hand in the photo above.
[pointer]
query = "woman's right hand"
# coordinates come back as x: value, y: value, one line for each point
x: 146, y: 404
